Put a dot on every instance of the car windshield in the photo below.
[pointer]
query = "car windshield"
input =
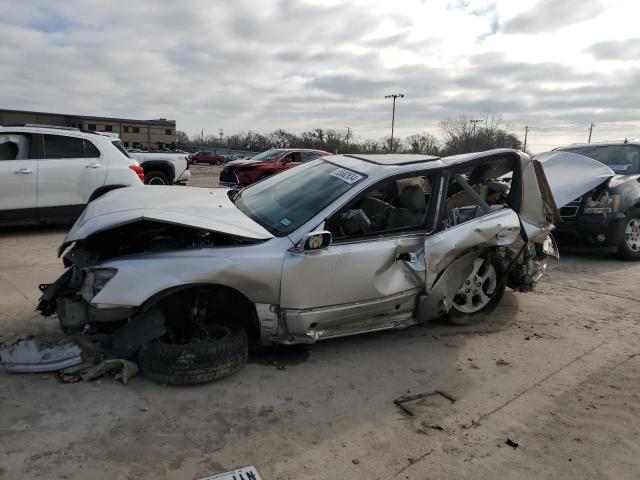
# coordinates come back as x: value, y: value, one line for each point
x: 622, y: 159
x: 284, y: 202
x: 268, y: 155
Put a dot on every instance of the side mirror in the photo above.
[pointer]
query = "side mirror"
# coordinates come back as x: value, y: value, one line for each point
x: 316, y: 240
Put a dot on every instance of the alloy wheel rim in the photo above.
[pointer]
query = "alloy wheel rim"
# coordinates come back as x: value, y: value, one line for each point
x: 475, y: 292
x: 632, y: 235
x: 156, y: 181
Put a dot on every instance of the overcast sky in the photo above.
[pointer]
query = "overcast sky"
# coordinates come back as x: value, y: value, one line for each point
x: 264, y: 64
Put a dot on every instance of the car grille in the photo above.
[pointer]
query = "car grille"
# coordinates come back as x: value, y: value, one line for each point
x: 571, y: 210
x: 228, y: 176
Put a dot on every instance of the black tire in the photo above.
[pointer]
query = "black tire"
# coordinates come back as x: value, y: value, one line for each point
x: 194, y: 162
x: 202, y: 361
x: 629, y: 243
x: 156, y: 178
x: 458, y: 317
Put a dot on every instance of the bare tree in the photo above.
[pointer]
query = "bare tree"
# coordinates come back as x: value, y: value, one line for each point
x: 424, y: 143
x: 464, y: 135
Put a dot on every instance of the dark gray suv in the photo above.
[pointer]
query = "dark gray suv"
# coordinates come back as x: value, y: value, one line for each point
x: 608, y: 217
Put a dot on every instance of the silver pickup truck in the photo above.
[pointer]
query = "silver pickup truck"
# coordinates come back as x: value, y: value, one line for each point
x: 162, y: 168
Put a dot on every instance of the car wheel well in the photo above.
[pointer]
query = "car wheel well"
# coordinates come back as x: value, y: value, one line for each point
x: 98, y: 192
x: 161, y: 167
x: 236, y: 307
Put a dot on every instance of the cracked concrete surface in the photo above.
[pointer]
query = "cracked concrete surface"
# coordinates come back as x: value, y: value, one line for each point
x: 556, y: 371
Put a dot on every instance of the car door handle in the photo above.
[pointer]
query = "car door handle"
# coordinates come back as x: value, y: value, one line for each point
x: 24, y: 171
x: 94, y: 165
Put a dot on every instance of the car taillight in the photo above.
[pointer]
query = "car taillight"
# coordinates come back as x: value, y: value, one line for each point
x: 187, y: 159
x: 139, y: 171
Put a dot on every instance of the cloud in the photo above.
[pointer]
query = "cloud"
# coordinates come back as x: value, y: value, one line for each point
x: 551, y: 15
x: 616, y: 49
x: 306, y: 64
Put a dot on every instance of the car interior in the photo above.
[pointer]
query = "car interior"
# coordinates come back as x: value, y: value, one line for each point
x: 393, y: 205
x: 482, y: 189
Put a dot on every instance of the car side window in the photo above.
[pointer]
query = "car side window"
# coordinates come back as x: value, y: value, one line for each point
x: 391, y: 206
x: 306, y: 156
x: 14, y: 146
x: 291, y: 157
x: 61, y: 146
x: 90, y: 150
x: 483, y: 188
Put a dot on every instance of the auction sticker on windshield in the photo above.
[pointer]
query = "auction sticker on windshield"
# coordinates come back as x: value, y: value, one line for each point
x: 245, y: 473
x: 346, y: 175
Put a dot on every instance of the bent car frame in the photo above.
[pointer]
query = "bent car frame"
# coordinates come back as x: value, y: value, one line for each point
x: 341, y: 245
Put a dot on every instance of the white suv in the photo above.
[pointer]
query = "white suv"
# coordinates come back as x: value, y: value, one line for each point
x: 50, y: 173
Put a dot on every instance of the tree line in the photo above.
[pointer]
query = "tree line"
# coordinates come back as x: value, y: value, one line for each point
x: 457, y: 135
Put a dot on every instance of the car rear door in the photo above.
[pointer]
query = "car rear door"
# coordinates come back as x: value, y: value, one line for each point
x: 71, y: 169
x: 18, y: 174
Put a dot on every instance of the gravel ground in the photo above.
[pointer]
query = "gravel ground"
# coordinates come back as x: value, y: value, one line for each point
x: 555, y: 372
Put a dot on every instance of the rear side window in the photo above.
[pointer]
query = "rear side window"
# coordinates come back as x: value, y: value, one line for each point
x: 14, y: 146
x: 60, y: 146
x: 119, y: 146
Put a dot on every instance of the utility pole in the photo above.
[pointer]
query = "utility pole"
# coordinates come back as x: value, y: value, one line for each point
x: 591, y: 131
x: 526, y: 131
x: 221, y: 133
x: 393, y: 115
x: 347, y: 137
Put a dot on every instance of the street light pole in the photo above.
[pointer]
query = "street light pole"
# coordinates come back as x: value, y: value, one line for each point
x: 393, y: 115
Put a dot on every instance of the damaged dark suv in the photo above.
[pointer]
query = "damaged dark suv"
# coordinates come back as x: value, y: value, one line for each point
x: 607, y: 217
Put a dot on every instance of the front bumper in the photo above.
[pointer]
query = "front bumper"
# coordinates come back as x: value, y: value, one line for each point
x: 591, y: 231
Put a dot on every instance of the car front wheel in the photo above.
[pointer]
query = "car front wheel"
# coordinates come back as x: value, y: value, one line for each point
x: 629, y: 248
x: 481, y: 291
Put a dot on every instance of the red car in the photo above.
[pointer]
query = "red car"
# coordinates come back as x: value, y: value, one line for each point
x: 206, y: 157
x: 240, y: 173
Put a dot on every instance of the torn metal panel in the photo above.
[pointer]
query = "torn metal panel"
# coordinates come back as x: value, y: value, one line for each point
x: 571, y: 175
x: 31, y: 355
x: 496, y: 229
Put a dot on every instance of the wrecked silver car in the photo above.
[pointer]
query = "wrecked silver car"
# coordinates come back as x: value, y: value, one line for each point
x: 186, y: 278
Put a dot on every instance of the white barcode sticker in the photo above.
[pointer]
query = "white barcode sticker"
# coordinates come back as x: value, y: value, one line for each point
x: 346, y: 175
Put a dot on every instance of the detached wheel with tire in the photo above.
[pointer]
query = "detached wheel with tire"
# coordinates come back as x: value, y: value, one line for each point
x: 629, y: 247
x: 479, y: 293
x: 218, y: 354
x: 156, y: 178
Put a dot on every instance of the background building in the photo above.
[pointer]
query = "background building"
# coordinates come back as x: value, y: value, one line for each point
x: 148, y: 134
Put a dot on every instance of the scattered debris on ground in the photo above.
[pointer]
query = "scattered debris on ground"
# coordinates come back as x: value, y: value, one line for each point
x: 121, y: 369
x: 511, y: 443
x: 400, y: 401
x: 32, y: 356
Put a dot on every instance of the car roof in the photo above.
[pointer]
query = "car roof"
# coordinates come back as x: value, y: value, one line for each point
x: 380, y: 170
x: 55, y: 130
x: 394, y: 158
x: 598, y: 144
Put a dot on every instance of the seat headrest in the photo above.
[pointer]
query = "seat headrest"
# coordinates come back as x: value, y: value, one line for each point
x: 390, y: 191
x: 412, y: 197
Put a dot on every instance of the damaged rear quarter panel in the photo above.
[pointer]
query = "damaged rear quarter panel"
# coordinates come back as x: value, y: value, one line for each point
x: 253, y: 270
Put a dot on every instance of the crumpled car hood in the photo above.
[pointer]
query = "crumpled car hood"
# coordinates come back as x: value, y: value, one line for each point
x: 571, y: 175
x: 206, y: 208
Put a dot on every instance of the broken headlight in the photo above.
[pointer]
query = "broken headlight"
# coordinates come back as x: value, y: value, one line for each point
x: 604, y: 204
x: 95, y: 281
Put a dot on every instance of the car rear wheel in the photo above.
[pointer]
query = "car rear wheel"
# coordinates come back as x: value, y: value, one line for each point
x: 156, y: 178
x: 218, y: 353
x: 480, y: 292
x: 629, y: 248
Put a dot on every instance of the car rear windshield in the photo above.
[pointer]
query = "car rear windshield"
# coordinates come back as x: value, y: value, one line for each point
x: 284, y: 202
x: 119, y: 146
x: 622, y: 159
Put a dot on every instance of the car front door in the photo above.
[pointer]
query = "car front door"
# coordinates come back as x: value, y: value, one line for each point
x: 70, y: 171
x: 361, y: 281
x: 18, y: 176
